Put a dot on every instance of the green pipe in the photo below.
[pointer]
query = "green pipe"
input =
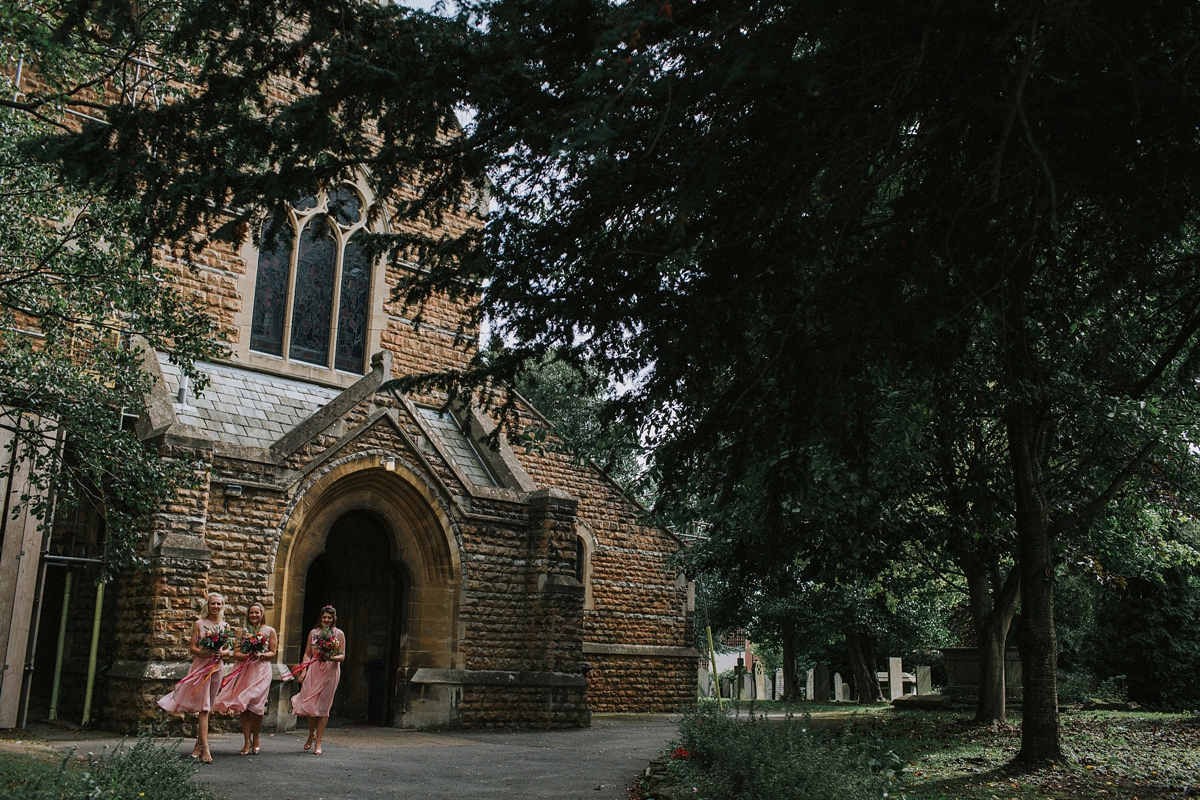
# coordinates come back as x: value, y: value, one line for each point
x: 91, y: 678
x: 712, y: 656
x: 62, y: 641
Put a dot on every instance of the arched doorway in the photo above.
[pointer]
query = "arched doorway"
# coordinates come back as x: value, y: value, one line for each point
x: 365, y: 528
x: 360, y: 577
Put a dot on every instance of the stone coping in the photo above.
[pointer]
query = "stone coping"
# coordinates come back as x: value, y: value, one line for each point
x: 639, y: 650
x: 168, y: 670
x: 495, y: 677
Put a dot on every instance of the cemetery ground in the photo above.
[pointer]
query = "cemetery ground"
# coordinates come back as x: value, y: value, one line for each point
x: 944, y: 754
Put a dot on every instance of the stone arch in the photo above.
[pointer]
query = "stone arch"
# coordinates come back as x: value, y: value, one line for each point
x: 423, y: 541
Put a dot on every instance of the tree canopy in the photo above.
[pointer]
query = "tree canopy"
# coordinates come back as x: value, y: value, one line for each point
x: 784, y: 226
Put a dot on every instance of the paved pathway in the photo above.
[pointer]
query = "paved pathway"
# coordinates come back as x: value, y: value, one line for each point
x: 359, y: 762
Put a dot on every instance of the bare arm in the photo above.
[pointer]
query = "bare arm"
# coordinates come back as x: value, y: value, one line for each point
x: 194, y: 642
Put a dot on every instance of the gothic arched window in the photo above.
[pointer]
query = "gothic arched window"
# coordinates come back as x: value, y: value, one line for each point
x: 311, y: 293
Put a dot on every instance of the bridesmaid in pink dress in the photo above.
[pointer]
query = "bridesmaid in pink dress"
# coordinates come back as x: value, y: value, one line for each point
x: 320, y: 679
x: 197, y: 692
x: 246, y: 694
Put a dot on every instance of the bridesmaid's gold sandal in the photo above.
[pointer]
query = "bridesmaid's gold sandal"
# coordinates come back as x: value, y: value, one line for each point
x: 206, y: 756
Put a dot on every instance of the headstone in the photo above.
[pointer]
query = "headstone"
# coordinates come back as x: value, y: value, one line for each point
x: 924, y: 680
x: 739, y: 680
x: 779, y: 683
x: 821, y: 684
x: 760, y: 681
x: 895, y: 678
x: 839, y: 688
x: 703, y: 683
x: 810, y: 693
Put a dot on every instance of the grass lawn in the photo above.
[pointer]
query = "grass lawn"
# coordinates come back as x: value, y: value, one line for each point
x: 1112, y: 754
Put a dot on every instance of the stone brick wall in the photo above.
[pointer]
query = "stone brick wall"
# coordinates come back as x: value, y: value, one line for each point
x: 644, y: 684
x: 525, y: 707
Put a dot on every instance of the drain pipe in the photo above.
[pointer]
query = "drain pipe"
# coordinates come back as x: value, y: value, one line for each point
x: 91, y: 674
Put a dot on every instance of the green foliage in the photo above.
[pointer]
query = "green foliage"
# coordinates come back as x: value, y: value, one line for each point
x: 728, y: 759
x: 574, y: 400
x: 148, y: 769
x: 81, y: 306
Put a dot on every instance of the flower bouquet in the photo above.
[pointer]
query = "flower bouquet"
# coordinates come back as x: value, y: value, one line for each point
x: 254, y: 643
x: 214, y: 640
x: 325, y: 643
x: 251, y: 644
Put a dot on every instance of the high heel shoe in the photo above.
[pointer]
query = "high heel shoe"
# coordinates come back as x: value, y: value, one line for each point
x: 254, y: 749
x: 205, y: 755
x: 317, y: 749
x: 245, y: 748
x: 195, y: 751
x: 308, y: 745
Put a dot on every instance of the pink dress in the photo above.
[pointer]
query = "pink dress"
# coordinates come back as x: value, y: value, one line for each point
x: 248, y: 691
x: 198, y: 690
x: 320, y: 684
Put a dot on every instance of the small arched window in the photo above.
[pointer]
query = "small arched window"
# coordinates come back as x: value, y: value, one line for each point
x: 311, y: 292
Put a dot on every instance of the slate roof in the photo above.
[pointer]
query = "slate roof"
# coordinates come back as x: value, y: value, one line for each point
x: 242, y: 407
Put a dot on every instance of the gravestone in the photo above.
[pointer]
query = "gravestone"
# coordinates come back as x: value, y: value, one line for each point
x: 821, y: 684
x: 924, y: 680
x: 810, y: 693
x: 839, y: 688
x: 779, y: 683
x: 760, y: 681
x: 895, y: 678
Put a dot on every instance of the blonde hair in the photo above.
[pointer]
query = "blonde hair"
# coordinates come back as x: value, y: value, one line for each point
x: 208, y: 606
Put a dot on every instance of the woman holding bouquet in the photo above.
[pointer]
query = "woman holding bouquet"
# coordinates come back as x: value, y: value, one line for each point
x: 245, y: 690
x: 321, y: 670
x: 197, y: 692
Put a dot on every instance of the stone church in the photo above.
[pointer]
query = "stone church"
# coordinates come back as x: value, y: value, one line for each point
x: 478, y: 586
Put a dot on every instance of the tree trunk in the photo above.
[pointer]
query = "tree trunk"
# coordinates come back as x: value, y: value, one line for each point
x: 860, y: 647
x: 992, y: 609
x: 1028, y: 436
x: 791, y: 674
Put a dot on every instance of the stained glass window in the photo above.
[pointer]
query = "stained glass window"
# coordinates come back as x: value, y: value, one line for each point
x: 305, y: 252
x: 352, y: 315
x: 271, y: 285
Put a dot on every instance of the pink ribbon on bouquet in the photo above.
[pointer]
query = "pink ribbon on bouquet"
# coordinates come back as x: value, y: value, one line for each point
x: 291, y: 673
x: 199, y: 679
x: 241, y: 668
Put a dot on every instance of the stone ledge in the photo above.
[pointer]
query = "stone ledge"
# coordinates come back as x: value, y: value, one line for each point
x: 643, y: 650
x: 495, y: 677
x: 168, y: 670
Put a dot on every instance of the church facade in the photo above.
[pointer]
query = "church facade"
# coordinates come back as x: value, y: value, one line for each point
x: 479, y: 586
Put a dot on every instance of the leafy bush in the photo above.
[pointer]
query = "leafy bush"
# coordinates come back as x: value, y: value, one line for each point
x: 149, y: 769
x: 1073, y: 686
x: 721, y: 758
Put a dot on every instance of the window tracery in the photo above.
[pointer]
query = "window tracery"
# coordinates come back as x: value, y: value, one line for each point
x: 313, y: 282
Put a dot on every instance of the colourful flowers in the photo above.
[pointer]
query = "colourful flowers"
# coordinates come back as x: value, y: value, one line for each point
x: 214, y: 639
x: 253, y: 644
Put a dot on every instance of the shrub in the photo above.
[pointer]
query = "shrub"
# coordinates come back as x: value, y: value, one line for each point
x: 148, y: 769
x: 1074, y: 687
x: 726, y: 759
